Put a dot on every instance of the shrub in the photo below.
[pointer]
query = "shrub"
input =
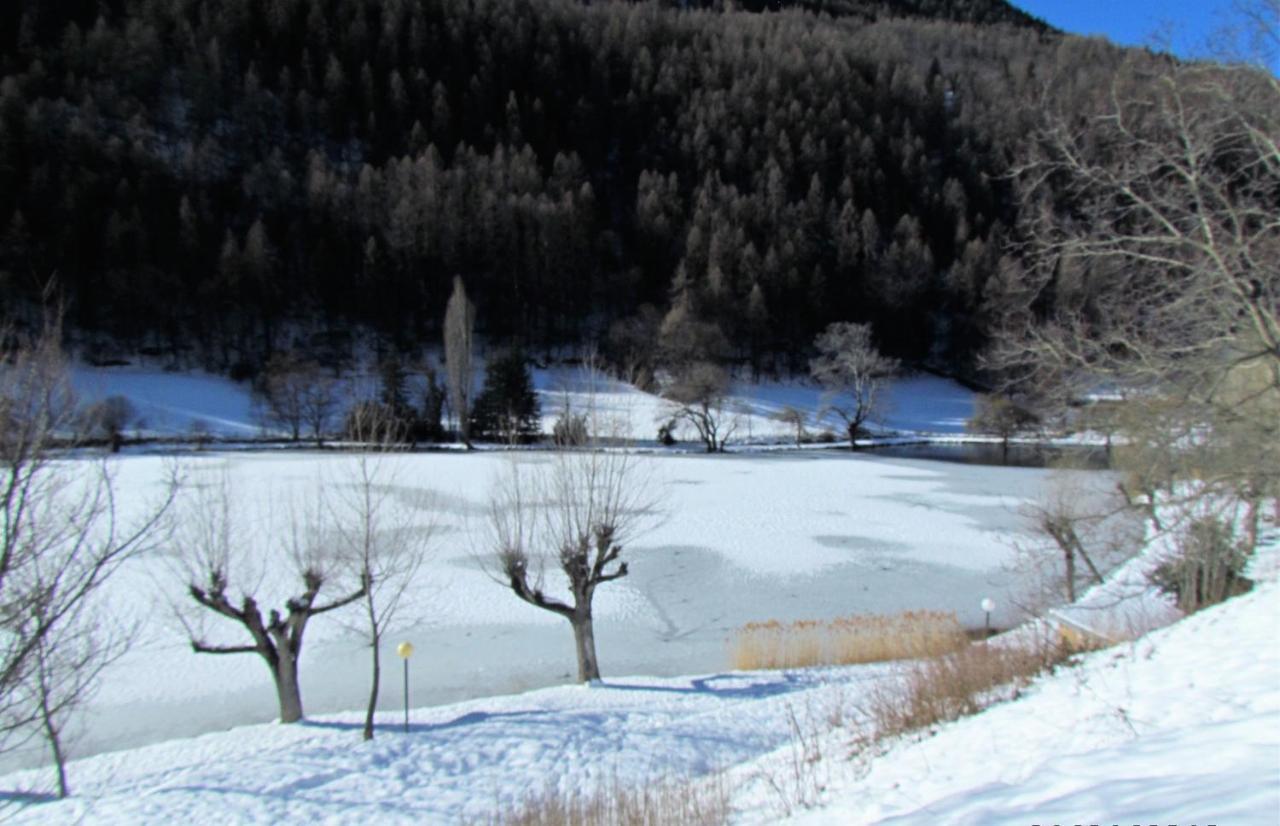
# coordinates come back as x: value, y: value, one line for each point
x: 373, y: 422
x: 108, y: 419
x: 948, y: 687
x: 846, y: 640
x: 1208, y: 569
x: 667, y: 433
x: 570, y: 430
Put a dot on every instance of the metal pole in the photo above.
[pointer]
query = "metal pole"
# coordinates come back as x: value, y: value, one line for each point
x: 406, y: 695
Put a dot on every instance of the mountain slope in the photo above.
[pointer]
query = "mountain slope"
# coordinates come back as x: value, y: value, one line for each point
x: 219, y: 179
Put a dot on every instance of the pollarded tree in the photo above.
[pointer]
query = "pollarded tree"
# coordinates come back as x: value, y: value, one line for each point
x: 216, y: 550
x: 573, y: 514
x: 853, y: 373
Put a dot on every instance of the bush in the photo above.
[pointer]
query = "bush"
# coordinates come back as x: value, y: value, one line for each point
x: 846, y: 640
x: 108, y: 419
x: 374, y: 422
x: 1209, y: 567
x: 570, y: 430
x: 667, y: 433
x: 946, y: 688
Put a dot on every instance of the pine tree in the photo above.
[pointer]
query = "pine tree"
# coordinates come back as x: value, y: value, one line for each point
x: 507, y: 408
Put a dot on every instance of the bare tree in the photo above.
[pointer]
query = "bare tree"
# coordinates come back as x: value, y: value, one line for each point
x: 1001, y: 416
x: 108, y: 419
x: 61, y: 539
x: 701, y: 391
x: 382, y: 535
x: 1079, y: 529
x: 319, y: 403
x: 459, y: 323
x: 216, y: 549
x: 1155, y: 224
x: 575, y: 513
x: 794, y: 417
x: 853, y: 372
x: 298, y: 394
x: 68, y: 664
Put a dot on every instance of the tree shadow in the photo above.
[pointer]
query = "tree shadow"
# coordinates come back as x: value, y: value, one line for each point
x: 471, y: 718
x: 26, y: 798
x: 791, y: 681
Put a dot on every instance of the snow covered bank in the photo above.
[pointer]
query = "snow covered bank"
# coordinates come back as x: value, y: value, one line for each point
x: 1181, y: 726
x: 173, y: 404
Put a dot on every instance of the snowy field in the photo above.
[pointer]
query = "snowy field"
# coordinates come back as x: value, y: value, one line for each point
x: 1180, y: 726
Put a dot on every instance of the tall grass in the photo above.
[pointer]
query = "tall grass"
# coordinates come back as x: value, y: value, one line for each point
x: 944, y: 688
x: 676, y: 802
x: 846, y: 640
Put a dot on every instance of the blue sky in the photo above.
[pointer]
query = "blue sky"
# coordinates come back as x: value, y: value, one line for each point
x: 1135, y: 22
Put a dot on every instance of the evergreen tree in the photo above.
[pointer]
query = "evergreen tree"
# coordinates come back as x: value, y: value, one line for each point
x: 507, y: 408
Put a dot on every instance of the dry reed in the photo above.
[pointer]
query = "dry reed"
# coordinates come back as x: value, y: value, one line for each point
x: 703, y: 802
x: 846, y: 640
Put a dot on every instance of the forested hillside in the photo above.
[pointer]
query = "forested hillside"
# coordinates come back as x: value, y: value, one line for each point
x: 220, y: 179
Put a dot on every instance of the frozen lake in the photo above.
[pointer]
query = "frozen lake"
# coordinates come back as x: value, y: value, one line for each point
x: 742, y: 538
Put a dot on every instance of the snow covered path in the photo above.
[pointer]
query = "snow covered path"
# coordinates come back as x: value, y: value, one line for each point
x: 458, y: 763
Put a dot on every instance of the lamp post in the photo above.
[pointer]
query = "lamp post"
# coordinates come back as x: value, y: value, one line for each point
x: 988, y: 605
x: 405, y: 650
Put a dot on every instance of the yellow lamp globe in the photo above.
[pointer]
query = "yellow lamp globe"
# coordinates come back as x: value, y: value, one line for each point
x: 405, y: 650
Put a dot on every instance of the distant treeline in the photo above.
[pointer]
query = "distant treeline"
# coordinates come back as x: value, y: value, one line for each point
x: 219, y: 177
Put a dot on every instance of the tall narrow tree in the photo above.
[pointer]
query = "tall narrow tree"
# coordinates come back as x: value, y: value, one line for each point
x: 459, y: 325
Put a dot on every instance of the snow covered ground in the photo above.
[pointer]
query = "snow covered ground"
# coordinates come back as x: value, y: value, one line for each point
x: 741, y: 538
x: 1180, y: 726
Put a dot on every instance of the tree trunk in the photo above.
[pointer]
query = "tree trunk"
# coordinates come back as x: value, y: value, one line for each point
x: 584, y: 639
x: 1251, y: 518
x: 853, y: 435
x: 51, y: 733
x: 373, y: 692
x: 1070, y: 556
x: 286, y: 674
x: 59, y: 758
